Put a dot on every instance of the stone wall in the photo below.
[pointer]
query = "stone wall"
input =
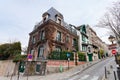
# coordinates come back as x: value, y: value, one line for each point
x: 55, y: 66
x: 6, y: 67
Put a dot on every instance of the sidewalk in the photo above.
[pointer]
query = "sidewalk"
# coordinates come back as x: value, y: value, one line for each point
x: 56, y: 76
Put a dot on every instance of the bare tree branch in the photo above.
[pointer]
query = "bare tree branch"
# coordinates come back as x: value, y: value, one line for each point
x: 111, y: 20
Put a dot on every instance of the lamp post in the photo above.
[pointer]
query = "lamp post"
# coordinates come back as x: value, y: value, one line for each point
x: 111, y: 38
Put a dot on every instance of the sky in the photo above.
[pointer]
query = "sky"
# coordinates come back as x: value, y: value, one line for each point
x: 18, y: 17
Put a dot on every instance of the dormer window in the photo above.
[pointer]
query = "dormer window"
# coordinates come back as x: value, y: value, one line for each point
x: 59, y: 20
x: 45, y: 16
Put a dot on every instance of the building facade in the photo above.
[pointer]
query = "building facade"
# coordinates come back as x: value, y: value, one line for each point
x: 52, y: 33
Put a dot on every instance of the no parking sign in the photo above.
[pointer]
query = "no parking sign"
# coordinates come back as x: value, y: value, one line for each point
x: 29, y: 57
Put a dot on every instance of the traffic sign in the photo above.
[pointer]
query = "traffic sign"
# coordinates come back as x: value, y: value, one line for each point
x: 29, y: 57
x: 114, y: 51
x: 68, y: 54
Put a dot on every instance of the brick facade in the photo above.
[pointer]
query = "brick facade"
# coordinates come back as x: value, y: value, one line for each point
x: 54, y: 36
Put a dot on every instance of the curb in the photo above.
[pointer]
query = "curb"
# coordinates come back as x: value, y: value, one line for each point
x: 89, y: 64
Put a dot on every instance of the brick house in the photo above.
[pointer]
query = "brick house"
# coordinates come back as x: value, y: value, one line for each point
x: 52, y: 33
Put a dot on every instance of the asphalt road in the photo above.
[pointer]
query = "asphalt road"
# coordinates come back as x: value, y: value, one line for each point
x: 97, y: 71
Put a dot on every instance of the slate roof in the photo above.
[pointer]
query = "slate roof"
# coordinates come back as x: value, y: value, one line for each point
x: 53, y: 12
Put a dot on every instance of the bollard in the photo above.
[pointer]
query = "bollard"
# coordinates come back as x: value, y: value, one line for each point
x: 115, y: 75
x: 118, y: 73
x: 105, y: 73
x: 61, y: 68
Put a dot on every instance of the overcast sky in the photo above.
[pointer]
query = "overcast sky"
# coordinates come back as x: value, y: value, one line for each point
x: 18, y: 17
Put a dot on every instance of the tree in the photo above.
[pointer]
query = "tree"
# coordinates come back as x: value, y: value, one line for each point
x: 101, y: 52
x: 111, y: 20
x: 9, y: 50
x: 19, y: 57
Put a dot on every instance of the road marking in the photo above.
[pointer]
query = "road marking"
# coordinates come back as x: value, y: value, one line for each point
x: 95, y: 78
x: 84, y: 77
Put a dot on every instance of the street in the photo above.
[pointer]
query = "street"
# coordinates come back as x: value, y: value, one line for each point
x: 97, y: 71
x: 94, y: 72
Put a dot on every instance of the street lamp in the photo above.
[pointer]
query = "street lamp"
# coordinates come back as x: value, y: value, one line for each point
x: 111, y: 38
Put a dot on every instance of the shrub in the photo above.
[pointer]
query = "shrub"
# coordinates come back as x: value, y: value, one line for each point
x: 60, y: 55
x: 19, y: 57
x: 81, y: 56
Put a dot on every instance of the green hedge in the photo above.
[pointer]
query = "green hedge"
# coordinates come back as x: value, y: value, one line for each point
x: 81, y: 56
x: 62, y: 55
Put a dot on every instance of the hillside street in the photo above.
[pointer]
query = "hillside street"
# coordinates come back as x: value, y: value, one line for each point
x: 95, y: 71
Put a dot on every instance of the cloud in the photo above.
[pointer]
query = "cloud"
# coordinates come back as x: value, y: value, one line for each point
x: 18, y: 17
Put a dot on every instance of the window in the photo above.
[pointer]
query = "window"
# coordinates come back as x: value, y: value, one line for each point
x: 45, y: 18
x: 58, y: 49
x: 83, y: 38
x: 40, y: 51
x: 33, y: 39
x: 42, y: 35
x: 58, y: 37
x: 31, y: 51
x: 84, y: 48
x: 73, y: 42
x: 38, y: 68
x: 59, y: 20
x: 67, y: 39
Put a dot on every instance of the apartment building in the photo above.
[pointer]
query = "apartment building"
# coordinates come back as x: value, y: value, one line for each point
x: 52, y: 33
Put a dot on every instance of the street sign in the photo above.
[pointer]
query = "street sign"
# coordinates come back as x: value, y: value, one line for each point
x: 29, y: 57
x: 114, y: 51
x: 68, y: 54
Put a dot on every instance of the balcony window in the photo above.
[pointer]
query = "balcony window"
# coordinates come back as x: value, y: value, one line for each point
x: 40, y: 51
x: 42, y: 35
x: 58, y: 37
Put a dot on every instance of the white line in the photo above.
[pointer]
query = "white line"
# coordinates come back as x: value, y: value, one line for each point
x: 95, y: 78
x: 84, y: 77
